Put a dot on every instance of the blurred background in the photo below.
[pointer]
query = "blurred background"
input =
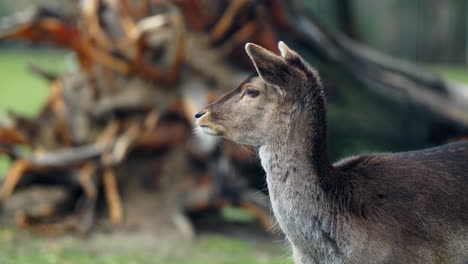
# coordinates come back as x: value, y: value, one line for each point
x: 99, y: 162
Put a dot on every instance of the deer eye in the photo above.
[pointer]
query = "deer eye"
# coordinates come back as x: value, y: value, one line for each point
x: 252, y: 92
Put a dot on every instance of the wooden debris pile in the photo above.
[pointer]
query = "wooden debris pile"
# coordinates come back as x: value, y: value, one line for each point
x: 119, y: 127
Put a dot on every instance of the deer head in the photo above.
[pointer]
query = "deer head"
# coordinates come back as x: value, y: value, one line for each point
x: 261, y: 107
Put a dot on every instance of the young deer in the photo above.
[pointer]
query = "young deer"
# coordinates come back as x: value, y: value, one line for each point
x: 409, y: 207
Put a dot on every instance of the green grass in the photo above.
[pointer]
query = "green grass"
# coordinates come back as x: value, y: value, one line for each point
x: 456, y: 73
x: 4, y: 164
x: 20, y: 90
x: 20, y: 248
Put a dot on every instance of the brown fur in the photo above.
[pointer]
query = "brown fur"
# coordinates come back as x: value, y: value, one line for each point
x: 407, y: 207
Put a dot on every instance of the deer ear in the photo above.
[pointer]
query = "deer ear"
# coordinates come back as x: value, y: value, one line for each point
x: 292, y: 58
x: 272, y: 68
x: 286, y: 52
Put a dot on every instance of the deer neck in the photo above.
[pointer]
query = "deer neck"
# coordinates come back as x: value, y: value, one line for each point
x: 299, y: 147
x: 296, y: 164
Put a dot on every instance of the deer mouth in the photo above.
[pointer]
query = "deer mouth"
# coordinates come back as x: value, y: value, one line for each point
x: 209, y: 131
x: 207, y: 127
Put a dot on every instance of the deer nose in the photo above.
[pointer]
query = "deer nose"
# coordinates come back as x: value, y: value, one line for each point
x: 199, y: 114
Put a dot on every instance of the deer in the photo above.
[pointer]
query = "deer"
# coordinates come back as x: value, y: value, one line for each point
x: 408, y: 207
